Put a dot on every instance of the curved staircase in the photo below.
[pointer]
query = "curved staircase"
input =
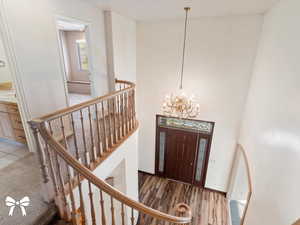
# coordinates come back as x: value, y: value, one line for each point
x: 74, y: 141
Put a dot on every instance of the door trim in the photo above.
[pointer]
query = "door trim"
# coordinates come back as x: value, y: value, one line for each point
x: 206, y: 161
x: 61, y: 58
x: 16, y: 74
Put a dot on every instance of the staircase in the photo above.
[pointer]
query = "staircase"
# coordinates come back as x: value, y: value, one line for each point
x: 297, y: 222
x: 47, y: 216
x: 72, y: 142
x: 58, y: 221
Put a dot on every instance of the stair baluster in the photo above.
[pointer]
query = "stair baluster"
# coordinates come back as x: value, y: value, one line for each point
x: 71, y: 145
x: 104, y: 127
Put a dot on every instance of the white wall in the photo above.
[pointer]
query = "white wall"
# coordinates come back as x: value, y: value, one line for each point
x: 271, y: 133
x: 128, y: 151
x: 124, y: 43
x: 33, y: 41
x: 219, y: 60
x: 5, y: 75
x: 33, y: 34
x: 121, y: 35
x: 125, y: 154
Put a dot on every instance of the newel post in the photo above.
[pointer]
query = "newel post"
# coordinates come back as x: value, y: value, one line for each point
x: 39, y: 151
x: 183, y: 210
x: 41, y: 158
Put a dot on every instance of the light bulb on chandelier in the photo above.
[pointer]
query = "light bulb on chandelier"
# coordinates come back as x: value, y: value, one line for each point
x: 179, y: 104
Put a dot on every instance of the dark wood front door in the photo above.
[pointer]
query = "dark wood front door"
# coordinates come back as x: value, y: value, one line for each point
x: 183, y: 148
x: 181, y: 153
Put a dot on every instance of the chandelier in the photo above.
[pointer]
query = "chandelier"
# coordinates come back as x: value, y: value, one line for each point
x: 179, y: 104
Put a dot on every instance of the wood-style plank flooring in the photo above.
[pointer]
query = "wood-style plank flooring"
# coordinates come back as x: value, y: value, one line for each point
x: 208, y: 207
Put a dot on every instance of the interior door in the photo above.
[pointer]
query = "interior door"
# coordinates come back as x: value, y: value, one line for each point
x: 180, y: 155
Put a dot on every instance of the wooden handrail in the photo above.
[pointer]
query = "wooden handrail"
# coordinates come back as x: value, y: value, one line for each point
x: 79, y: 82
x: 119, y: 116
x: 240, y: 147
x: 101, y: 184
x: 63, y: 112
x: 240, y: 152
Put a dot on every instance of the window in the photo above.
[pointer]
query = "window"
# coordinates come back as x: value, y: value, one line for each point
x: 82, y: 55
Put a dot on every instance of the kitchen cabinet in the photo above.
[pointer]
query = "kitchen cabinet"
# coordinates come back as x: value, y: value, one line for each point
x: 6, y: 129
x: 11, y: 126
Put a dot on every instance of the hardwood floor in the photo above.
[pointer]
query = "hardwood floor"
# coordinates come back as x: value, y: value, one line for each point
x: 208, y: 207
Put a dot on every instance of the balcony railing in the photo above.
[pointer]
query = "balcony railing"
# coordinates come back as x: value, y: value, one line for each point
x: 74, y: 141
x: 240, y: 187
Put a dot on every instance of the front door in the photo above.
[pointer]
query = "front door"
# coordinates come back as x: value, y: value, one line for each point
x: 181, y: 153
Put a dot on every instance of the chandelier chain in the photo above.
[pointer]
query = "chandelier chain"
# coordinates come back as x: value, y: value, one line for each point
x: 184, y: 46
x: 179, y: 104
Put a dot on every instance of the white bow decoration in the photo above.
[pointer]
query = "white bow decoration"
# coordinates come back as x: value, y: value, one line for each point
x: 12, y: 203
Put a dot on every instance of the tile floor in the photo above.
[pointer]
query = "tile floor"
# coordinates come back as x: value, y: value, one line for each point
x: 11, y: 152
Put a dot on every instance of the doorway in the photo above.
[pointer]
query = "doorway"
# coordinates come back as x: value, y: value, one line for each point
x: 75, y: 57
x: 13, y: 141
x: 183, y: 149
x: 181, y: 152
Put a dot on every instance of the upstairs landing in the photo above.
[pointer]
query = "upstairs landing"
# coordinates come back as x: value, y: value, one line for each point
x: 22, y: 178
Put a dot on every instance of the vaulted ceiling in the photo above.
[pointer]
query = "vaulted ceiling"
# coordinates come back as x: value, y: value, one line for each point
x: 144, y: 10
